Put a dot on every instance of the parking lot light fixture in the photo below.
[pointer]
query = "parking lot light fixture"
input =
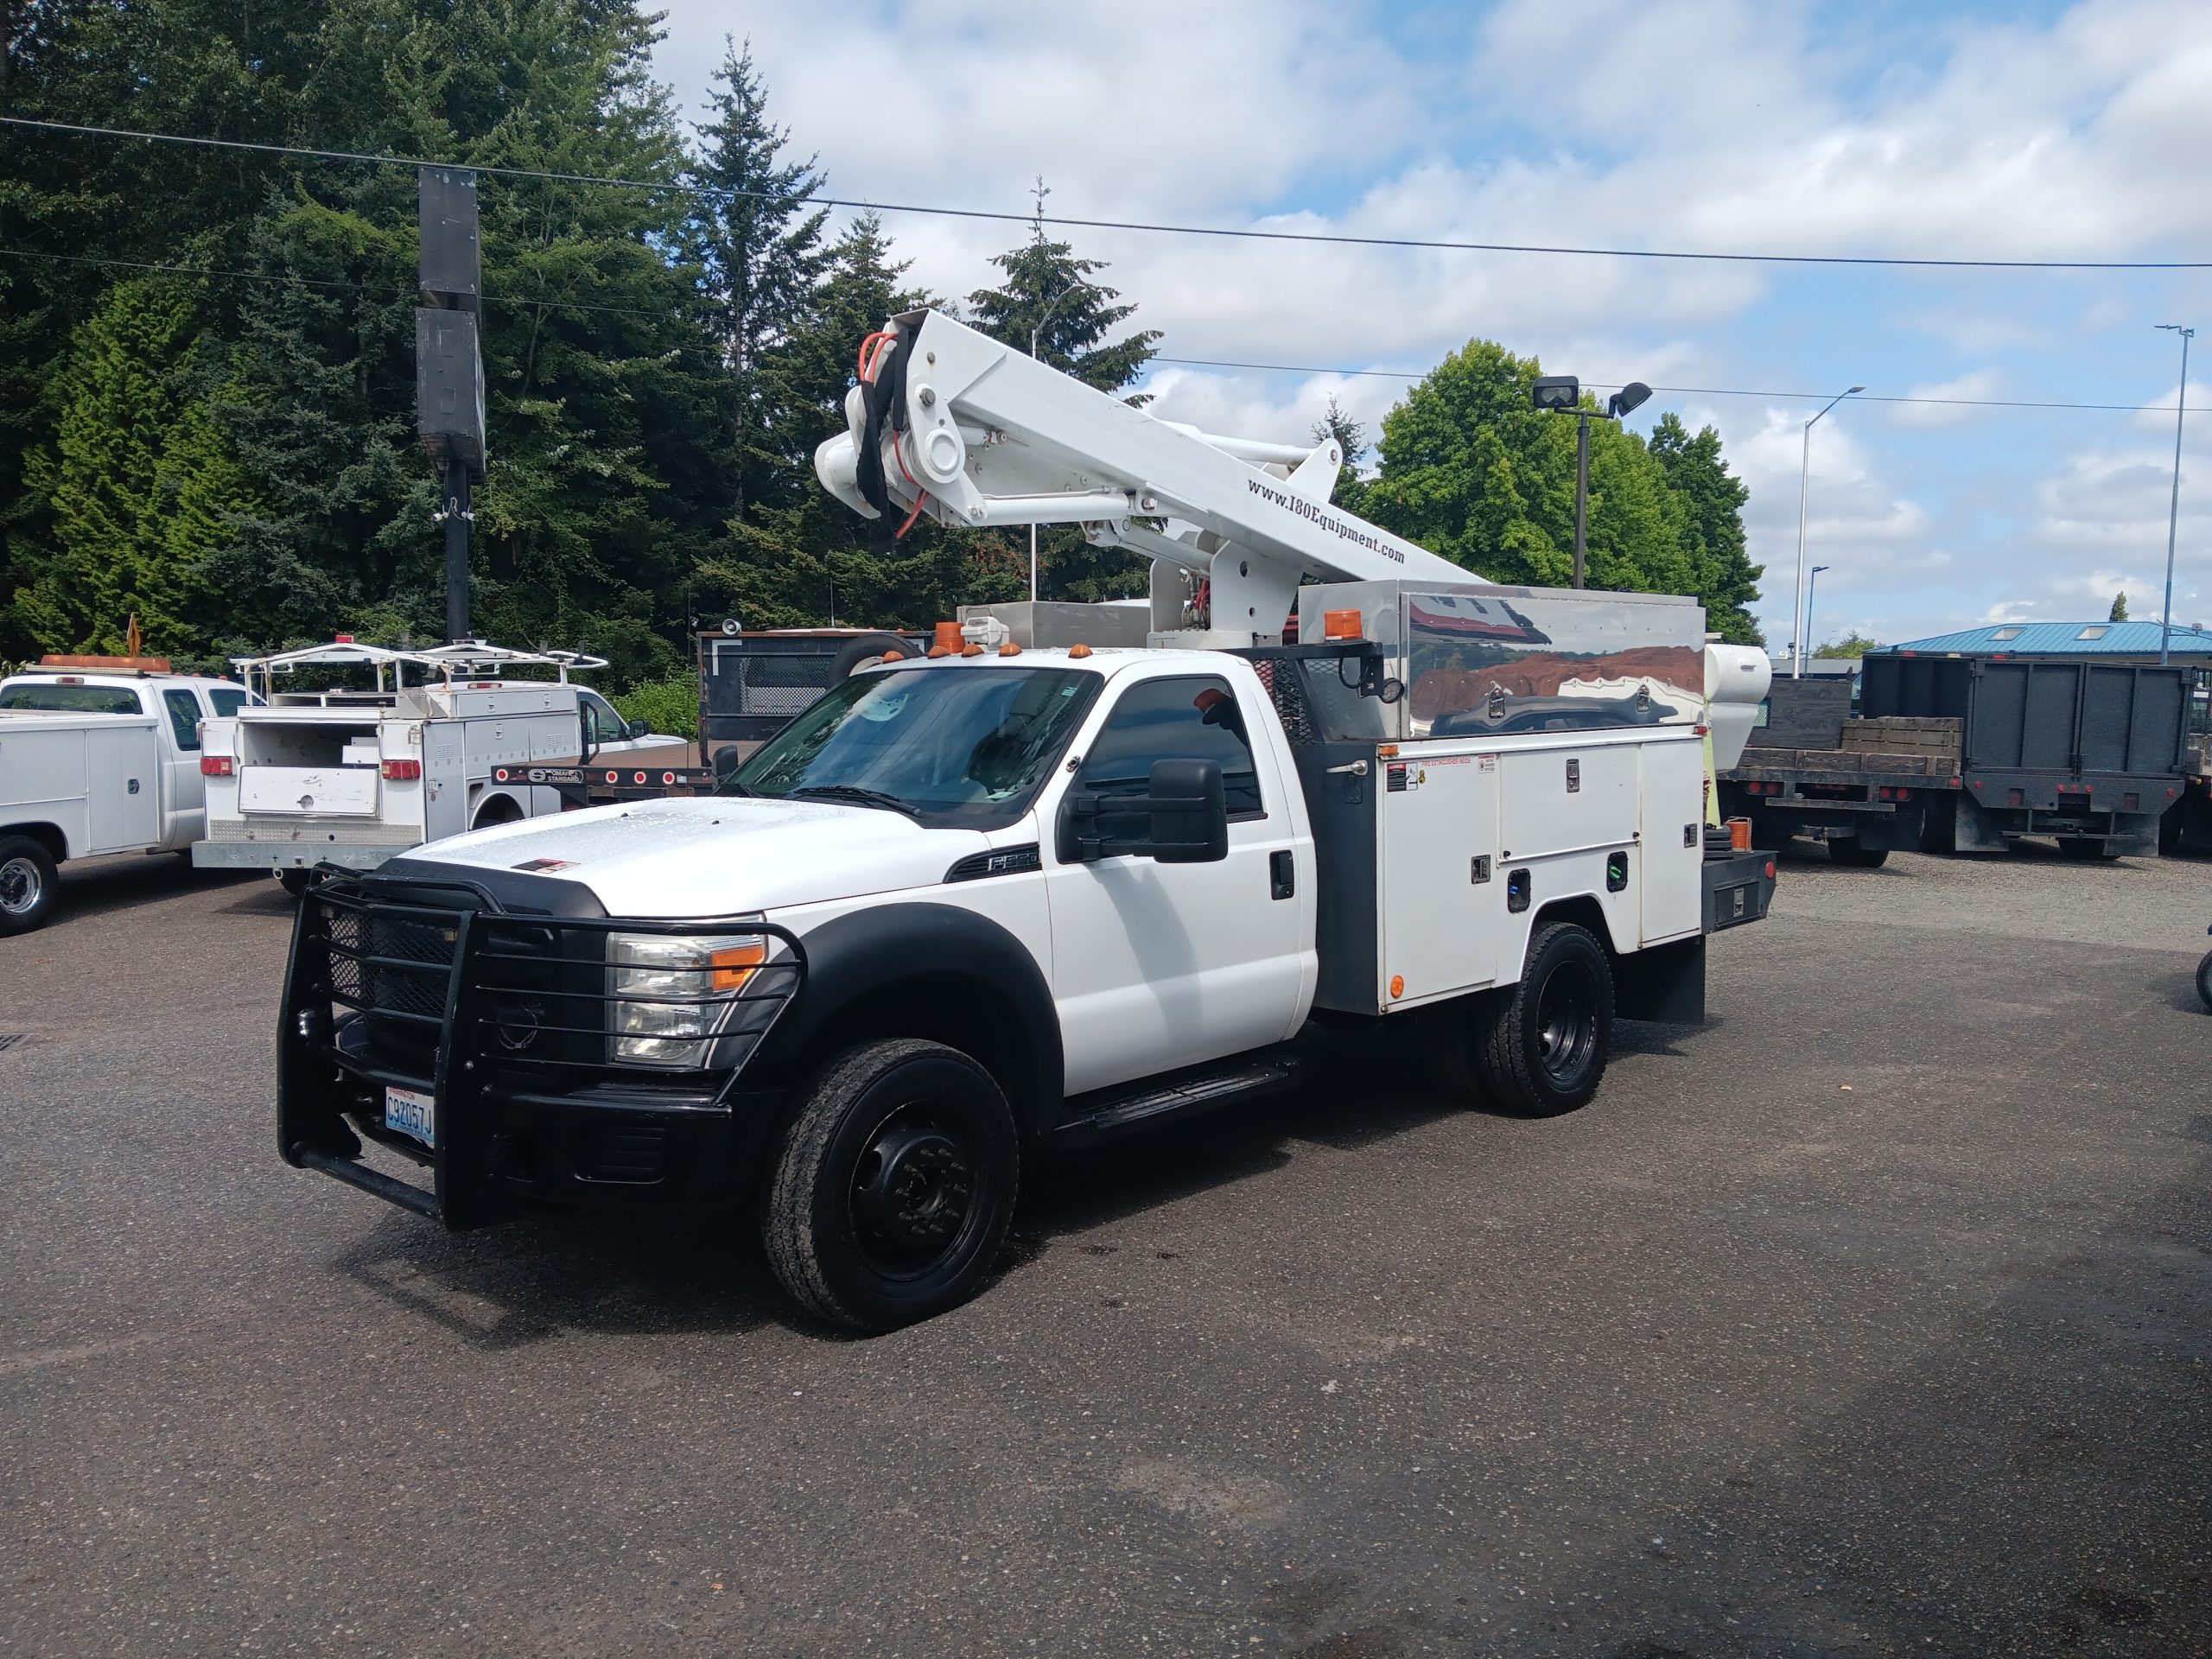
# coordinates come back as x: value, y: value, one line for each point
x: 1804, y: 485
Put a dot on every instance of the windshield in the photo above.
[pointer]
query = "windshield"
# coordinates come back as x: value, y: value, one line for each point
x: 952, y: 746
x: 71, y: 699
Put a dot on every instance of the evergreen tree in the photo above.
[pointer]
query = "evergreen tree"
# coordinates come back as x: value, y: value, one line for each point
x: 120, y: 438
x: 1352, y: 442
x: 758, y: 247
x: 1049, y: 296
x: 2119, y: 613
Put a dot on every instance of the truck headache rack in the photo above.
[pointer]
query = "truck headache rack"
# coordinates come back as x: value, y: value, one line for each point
x: 503, y: 1028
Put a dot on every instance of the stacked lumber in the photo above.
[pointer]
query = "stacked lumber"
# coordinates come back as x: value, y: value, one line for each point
x: 1904, y: 734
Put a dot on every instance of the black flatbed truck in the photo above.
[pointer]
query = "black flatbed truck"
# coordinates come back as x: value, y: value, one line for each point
x: 1958, y: 753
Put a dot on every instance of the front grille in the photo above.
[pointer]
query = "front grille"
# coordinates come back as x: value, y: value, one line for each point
x: 534, y: 998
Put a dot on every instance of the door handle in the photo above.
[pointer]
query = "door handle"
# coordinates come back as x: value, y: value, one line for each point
x: 1282, y: 874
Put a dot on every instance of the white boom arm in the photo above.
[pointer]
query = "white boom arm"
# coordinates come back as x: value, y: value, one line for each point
x: 952, y: 422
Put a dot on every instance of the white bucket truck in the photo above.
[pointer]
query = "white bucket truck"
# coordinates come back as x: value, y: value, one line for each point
x: 97, y: 754
x: 990, y: 900
x: 408, y: 746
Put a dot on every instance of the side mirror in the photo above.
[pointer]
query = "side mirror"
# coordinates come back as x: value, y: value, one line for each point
x: 636, y: 728
x: 1186, y: 808
x: 726, y: 760
x: 1189, y: 812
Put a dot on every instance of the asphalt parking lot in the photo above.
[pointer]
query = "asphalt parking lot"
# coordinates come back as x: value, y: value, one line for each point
x: 1869, y: 1318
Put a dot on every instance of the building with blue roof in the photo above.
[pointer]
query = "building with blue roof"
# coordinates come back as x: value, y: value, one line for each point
x: 2126, y: 642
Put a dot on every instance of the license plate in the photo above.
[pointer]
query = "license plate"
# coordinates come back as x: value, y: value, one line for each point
x: 411, y: 1113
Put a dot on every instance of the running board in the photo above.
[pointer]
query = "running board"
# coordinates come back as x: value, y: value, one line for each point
x: 1186, y: 1097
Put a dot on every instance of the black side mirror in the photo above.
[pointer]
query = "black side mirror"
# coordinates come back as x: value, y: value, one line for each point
x: 1185, y: 805
x: 726, y: 760
x: 1189, y: 812
x: 636, y: 728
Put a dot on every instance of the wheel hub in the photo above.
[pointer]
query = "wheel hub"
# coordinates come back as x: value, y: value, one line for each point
x: 1565, y: 1013
x: 19, y: 886
x: 911, y: 1192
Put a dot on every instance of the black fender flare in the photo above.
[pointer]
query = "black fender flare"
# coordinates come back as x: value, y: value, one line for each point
x: 866, y: 952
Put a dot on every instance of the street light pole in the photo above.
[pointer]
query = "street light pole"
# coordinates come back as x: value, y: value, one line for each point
x: 1804, y: 489
x: 1812, y: 587
x: 1034, y: 332
x: 1581, y: 490
x: 2173, y: 510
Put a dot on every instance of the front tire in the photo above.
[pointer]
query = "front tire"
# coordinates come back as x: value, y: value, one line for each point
x: 1542, y: 1047
x: 28, y: 885
x: 2204, y: 982
x: 893, y: 1186
x: 295, y: 881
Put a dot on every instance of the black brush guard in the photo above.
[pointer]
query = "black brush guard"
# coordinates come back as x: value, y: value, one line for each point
x: 505, y: 1020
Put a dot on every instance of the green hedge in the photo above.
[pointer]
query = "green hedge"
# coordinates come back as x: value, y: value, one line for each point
x: 671, y: 705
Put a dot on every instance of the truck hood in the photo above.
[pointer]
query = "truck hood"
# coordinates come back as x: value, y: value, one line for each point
x: 717, y: 856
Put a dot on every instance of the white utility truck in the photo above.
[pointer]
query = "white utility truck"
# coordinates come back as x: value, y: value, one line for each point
x: 420, y: 744
x: 97, y: 754
x: 987, y: 901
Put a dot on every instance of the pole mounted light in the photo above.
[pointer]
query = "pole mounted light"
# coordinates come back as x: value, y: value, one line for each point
x: 1561, y: 394
x: 1804, y: 485
x: 1038, y: 329
x: 2173, y: 509
x: 1812, y: 586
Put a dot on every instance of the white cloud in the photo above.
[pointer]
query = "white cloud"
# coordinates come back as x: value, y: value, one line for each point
x: 1946, y: 410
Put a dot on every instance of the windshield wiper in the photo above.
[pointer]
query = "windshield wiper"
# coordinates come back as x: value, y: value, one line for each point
x: 857, y: 794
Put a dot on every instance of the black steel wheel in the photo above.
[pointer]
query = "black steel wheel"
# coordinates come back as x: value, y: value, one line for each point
x: 28, y: 885
x: 1855, y: 855
x: 893, y: 1186
x: 2204, y: 982
x: 1542, y: 1047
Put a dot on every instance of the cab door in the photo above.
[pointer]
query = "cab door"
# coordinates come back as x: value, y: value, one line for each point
x: 1156, y: 966
x: 184, y: 791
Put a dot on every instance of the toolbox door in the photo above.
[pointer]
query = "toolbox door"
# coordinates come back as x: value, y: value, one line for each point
x: 1441, y: 903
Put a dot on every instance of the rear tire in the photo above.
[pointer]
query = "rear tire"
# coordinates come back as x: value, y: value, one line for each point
x: 1855, y: 855
x: 28, y: 885
x: 2204, y: 982
x: 893, y: 1186
x: 1541, y: 1048
x: 2083, y: 847
x: 864, y: 653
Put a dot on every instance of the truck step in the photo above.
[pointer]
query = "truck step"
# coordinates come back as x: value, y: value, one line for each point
x: 1185, y: 1094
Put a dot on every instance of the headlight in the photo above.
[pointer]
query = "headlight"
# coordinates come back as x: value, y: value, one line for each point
x: 672, y: 993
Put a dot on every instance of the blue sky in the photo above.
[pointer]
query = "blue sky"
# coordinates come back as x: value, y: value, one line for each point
x: 2027, y: 131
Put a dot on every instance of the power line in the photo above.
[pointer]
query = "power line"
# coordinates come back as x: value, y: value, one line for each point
x: 493, y: 295
x: 499, y: 298
x: 1708, y: 392
x: 1226, y: 232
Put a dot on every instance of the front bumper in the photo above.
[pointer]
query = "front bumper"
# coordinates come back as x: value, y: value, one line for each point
x: 300, y: 855
x: 500, y: 1017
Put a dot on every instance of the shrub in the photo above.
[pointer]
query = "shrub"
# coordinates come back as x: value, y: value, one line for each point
x: 671, y: 705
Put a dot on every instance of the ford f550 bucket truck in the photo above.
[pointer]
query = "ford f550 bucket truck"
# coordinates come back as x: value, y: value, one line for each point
x: 1001, y: 898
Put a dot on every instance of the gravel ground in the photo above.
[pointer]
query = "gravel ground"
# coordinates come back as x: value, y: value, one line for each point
x: 2149, y: 904
x: 1869, y: 1318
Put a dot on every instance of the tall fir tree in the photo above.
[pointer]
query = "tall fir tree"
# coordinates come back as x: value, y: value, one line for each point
x: 758, y: 249
x: 1050, y: 297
